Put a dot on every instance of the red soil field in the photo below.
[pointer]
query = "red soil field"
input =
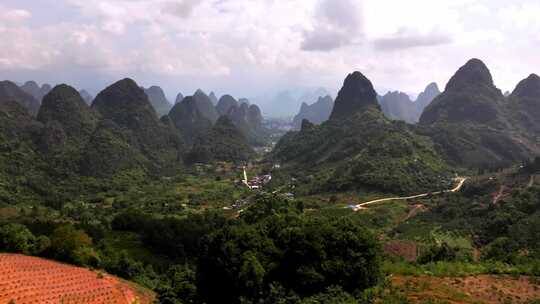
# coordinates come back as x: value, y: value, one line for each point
x: 25, y: 280
x: 405, y: 249
x: 481, y: 289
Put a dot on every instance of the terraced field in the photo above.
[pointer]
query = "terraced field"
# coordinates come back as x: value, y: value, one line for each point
x: 25, y: 280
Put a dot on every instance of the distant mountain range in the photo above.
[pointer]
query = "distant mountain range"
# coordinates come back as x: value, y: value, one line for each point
x: 247, y: 118
x: 398, y: 105
x: 158, y: 100
x: 32, y: 88
x: 121, y: 130
x: 286, y: 103
x: 469, y: 125
x: 359, y: 147
x: 316, y: 113
x: 352, y: 142
x: 395, y: 105
x: 9, y: 91
x: 86, y: 96
x: 38, y: 92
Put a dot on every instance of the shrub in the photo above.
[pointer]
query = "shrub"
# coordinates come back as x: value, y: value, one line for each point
x: 17, y: 238
x: 72, y: 245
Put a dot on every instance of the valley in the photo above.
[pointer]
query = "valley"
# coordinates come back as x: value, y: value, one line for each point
x: 201, y: 202
x: 269, y: 152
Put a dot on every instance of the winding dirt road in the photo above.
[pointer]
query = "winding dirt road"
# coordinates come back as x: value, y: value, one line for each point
x: 460, y: 182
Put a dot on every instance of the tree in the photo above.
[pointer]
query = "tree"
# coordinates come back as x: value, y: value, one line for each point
x: 16, y: 238
x: 181, y: 287
x: 302, y: 255
x: 41, y: 244
x: 501, y: 249
x: 267, y: 205
x: 72, y: 245
x: 333, y: 295
x: 252, y: 274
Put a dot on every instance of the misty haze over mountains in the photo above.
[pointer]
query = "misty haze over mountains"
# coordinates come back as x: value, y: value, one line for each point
x: 283, y: 104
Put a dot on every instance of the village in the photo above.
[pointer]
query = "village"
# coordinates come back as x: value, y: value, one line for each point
x: 257, y: 182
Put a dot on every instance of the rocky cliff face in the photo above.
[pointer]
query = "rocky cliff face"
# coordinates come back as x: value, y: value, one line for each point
x: 524, y: 103
x: 426, y: 97
x: 473, y: 124
x: 356, y: 95
x: 470, y: 96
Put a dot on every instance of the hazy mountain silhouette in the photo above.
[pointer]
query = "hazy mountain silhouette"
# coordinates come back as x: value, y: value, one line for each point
x: 9, y: 91
x: 316, y: 113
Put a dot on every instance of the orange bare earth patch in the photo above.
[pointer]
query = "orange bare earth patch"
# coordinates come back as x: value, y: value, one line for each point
x: 26, y: 279
x: 406, y: 249
x: 6, y: 213
x: 488, y: 289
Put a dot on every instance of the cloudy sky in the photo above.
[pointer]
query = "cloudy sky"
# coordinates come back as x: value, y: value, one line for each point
x: 250, y: 47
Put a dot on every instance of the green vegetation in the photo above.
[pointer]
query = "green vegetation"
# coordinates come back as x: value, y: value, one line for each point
x: 160, y: 201
x: 473, y: 125
x: 272, y: 250
x: 365, y: 151
x: 224, y: 142
x: 17, y: 238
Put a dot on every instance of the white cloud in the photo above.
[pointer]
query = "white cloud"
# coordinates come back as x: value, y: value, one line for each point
x: 524, y: 16
x: 406, y: 39
x: 181, y: 8
x: 485, y: 36
x: 114, y: 27
x: 479, y: 9
x: 337, y: 23
x: 13, y: 15
x: 248, y: 44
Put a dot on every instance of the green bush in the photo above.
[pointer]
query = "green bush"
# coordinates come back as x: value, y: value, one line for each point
x: 72, y: 245
x: 19, y: 239
x: 16, y: 238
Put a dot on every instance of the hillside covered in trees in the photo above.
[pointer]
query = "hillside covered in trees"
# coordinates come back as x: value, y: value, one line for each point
x: 161, y: 201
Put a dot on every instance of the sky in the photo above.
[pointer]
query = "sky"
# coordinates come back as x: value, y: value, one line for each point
x: 260, y: 47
